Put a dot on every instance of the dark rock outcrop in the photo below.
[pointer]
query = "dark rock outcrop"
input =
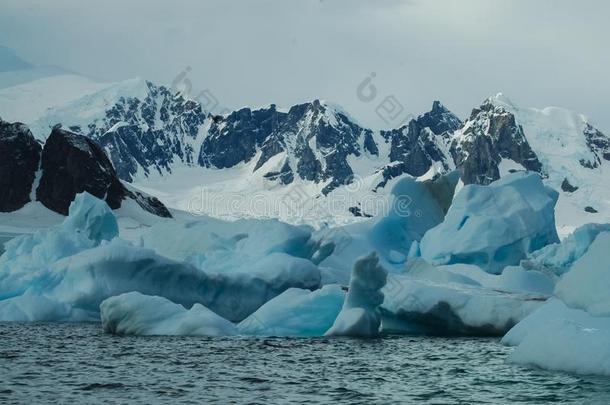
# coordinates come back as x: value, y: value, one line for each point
x: 567, y: 187
x: 73, y: 163
x: 235, y: 139
x: 369, y: 143
x: 490, y: 135
x: 19, y: 161
x: 316, y: 138
x: 590, y: 210
x: 284, y: 176
x: 357, y: 212
x: 598, y: 144
x: 148, y: 134
x: 418, y: 145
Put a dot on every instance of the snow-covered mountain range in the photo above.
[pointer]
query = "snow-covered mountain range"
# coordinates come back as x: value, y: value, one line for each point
x: 248, y: 162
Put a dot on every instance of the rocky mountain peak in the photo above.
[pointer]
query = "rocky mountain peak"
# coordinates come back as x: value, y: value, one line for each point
x: 488, y: 136
x: 421, y: 144
x: 598, y: 144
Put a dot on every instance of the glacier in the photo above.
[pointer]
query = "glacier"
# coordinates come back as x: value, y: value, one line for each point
x: 494, y: 226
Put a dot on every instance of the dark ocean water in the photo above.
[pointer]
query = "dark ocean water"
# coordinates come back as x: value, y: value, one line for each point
x: 77, y: 363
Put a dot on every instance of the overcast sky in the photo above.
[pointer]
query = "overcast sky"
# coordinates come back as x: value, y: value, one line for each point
x: 251, y: 52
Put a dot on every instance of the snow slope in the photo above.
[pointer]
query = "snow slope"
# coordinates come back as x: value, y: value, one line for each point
x: 557, y: 137
x: 29, y: 101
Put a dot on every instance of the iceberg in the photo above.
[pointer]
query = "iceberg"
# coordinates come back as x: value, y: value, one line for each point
x: 587, y: 284
x: 137, y: 314
x: 360, y: 315
x: 64, y: 273
x: 31, y: 307
x: 571, y: 332
x: 219, y: 246
x: 415, y: 305
x: 512, y: 279
x: 296, y: 312
x: 559, y: 257
x: 415, y: 207
x: 556, y: 337
x: 494, y: 226
x: 27, y: 260
x: 421, y: 269
x: 84, y: 280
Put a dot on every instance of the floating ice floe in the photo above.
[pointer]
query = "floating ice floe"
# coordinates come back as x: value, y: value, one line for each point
x: 587, y: 284
x: 494, y: 226
x: 571, y: 332
x: 136, y: 314
x: 557, y: 337
x: 296, y: 312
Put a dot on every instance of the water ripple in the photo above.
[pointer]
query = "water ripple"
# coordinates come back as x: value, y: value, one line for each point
x: 63, y: 363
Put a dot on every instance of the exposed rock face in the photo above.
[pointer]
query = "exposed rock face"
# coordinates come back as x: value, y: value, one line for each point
x: 151, y: 129
x: 284, y: 176
x: 490, y: 135
x: 316, y: 138
x: 567, y: 186
x: 420, y: 144
x: 74, y: 163
x: 235, y: 139
x: 599, y: 144
x: 148, y: 134
x: 19, y: 161
x: 440, y: 120
x: 369, y: 143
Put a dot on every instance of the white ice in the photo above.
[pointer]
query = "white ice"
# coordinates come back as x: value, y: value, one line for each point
x: 587, y: 284
x: 137, y: 314
x: 452, y: 305
x: 296, y: 312
x: 557, y: 337
x: 360, y: 315
x: 494, y: 226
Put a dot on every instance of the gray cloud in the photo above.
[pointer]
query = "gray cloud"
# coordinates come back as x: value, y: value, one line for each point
x: 539, y: 53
